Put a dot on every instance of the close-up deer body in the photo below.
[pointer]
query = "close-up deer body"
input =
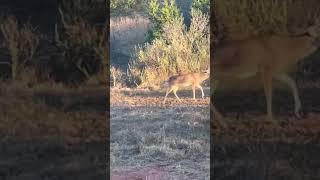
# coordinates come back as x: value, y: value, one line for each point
x: 270, y: 58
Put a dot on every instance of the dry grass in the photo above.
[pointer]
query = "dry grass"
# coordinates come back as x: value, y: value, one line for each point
x: 82, y: 44
x: 22, y: 43
x: 116, y: 76
x: 127, y: 32
x: 251, y: 17
x: 53, y: 112
x: 253, y: 148
x: 52, y: 131
x: 145, y: 133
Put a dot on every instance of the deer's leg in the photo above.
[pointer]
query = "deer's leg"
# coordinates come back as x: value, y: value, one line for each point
x: 194, y: 92
x: 286, y: 79
x: 202, y: 93
x: 168, y: 92
x: 175, y: 93
x: 267, y: 84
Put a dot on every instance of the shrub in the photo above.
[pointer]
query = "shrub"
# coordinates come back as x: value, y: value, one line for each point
x: 116, y: 76
x: 266, y: 16
x: 202, y: 5
x: 177, y: 50
x: 90, y: 10
x: 82, y: 45
x: 162, y: 14
x: 126, y: 6
x: 125, y: 33
x: 22, y: 42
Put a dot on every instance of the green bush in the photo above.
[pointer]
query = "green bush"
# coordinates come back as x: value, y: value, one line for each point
x: 177, y: 50
x: 161, y: 14
x: 202, y: 5
x: 126, y: 6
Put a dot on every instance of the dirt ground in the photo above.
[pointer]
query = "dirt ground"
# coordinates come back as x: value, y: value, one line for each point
x: 52, y: 132
x: 252, y: 148
x: 149, y: 140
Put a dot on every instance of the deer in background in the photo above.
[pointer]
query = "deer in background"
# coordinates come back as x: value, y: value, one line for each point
x: 185, y: 80
x: 269, y: 58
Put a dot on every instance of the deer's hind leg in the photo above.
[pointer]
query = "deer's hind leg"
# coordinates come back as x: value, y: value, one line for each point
x: 202, y: 93
x: 194, y: 92
x: 175, y: 93
x: 168, y: 92
x: 286, y: 79
x: 267, y: 85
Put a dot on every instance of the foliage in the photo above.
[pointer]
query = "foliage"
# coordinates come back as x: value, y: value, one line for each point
x: 22, y: 42
x: 82, y: 45
x: 125, y: 6
x: 177, y: 50
x: 266, y: 16
x: 202, y: 5
x: 161, y: 14
x: 90, y: 10
x: 116, y: 76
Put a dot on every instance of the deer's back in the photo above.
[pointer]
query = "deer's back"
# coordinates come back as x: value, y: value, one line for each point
x: 247, y: 57
x: 185, y: 80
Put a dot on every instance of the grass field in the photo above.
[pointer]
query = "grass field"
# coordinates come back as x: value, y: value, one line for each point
x: 170, y: 140
x: 252, y: 148
x: 52, y: 132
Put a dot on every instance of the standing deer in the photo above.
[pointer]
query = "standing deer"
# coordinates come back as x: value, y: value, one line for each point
x: 185, y: 80
x: 269, y: 58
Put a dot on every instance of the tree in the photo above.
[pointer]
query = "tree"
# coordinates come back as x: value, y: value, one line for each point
x: 161, y: 14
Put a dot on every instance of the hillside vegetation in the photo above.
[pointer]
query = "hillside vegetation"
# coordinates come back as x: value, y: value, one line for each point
x: 162, y: 45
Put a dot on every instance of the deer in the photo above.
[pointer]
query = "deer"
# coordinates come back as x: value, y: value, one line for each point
x: 269, y: 58
x: 194, y: 80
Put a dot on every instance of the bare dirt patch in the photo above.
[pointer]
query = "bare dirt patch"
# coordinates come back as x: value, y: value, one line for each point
x: 173, y: 138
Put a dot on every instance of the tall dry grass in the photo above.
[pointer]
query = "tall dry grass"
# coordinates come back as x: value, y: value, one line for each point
x: 128, y: 31
x: 252, y: 17
x: 83, y: 45
x: 116, y: 76
x: 22, y: 43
